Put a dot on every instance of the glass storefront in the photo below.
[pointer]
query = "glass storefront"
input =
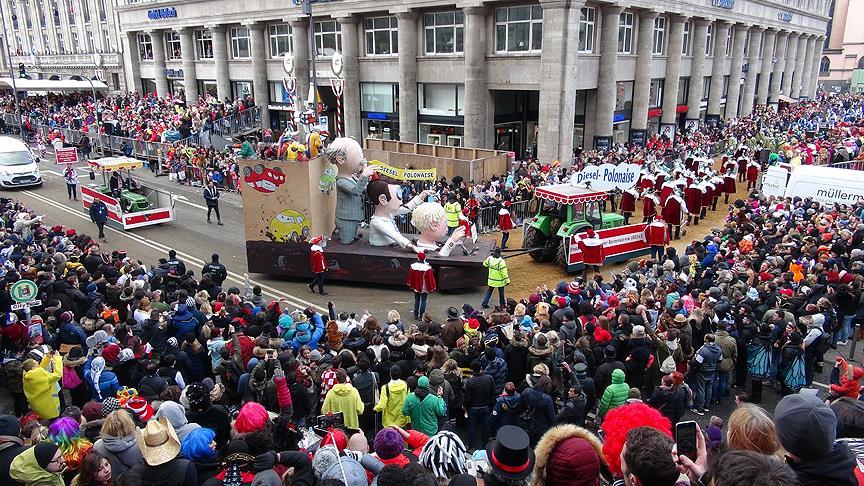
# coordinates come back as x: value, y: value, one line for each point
x: 441, y: 108
x: 206, y: 87
x: 623, y: 111
x: 148, y: 86
x: 381, y: 129
x: 516, y: 115
x: 379, y: 110
x: 440, y: 134
x: 175, y: 87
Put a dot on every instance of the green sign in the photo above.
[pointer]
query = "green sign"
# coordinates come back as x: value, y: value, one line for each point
x: 24, y: 291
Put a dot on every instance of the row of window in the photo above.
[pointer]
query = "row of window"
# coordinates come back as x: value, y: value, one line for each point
x: 517, y: 29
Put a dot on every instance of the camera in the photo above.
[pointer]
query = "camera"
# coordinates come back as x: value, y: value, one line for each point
x: 327, y: 421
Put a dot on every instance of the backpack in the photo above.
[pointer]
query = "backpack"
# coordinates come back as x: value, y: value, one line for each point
x: 525, y: 420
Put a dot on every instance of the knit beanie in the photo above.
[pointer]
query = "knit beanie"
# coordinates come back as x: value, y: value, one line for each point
x: 573, y: 462
x: 335, y: 437
x: 806, y: 426
x: 252, y: 417
x: 111, y: 353
x: 44, y: 452
x: 423, y: 382
x: 388, y: 443
x: 92, y: 411
x: 324, y: 458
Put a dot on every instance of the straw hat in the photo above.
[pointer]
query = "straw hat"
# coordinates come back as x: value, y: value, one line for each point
x: 158, y: 442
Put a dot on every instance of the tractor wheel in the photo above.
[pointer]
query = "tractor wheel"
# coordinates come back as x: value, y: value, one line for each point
x: 535, y: 239
x: 561, y: 254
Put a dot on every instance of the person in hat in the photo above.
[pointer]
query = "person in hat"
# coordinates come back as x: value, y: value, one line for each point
x: 568, y: 455
x: 318, y: 263
x: 11, y: 445
x: 505, y: 223
x: 499, y: 277
x: 656, y: 234
x: 163, y: 465
x: 445, y: 455
x: 211, y: 198
x: 421, y: 280
x: 41, y: 384
x: 511, y: 459
x: 42, y: 464
x: 343, y: 397
x: 593, y: 254
x: 424, y: 407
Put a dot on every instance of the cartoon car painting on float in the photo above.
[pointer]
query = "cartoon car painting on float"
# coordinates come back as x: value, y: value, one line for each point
x: 263, y: 179
x: 289, y: 225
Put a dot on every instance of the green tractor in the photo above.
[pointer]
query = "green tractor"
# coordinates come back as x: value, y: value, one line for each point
x: 564, y: 210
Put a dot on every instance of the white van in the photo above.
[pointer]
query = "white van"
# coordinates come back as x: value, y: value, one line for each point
x: 17, y: 166
x: 826, y: 185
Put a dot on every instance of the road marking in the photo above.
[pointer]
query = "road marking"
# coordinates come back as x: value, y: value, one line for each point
x: 238, y: 278
x: 185, y: 200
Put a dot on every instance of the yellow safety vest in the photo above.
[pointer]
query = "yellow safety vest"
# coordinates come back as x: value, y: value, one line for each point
x: 453, y: 210
x: 498, y: 275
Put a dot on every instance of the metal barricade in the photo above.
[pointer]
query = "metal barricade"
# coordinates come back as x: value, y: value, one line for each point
x: 487, y: 216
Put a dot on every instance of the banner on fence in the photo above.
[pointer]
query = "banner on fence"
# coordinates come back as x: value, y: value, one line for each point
x: 405, y: 174
x: 607, y: 177
x: 68, y: 155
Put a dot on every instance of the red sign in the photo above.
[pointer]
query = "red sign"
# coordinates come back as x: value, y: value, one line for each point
x: 681, y: 109
x: 618, y: 243
x: 655, y: 112
x: 68, y: 155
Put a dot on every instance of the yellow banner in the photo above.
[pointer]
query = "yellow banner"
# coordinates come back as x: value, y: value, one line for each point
x: 404, y: 174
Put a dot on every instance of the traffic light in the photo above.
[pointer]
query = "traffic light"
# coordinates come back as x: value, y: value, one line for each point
x: 22, y: 71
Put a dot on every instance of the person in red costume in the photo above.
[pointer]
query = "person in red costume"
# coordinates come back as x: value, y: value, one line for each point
x: 753, y: 168
x: 656, y: 234
x: 628, y: 203
x: 673, y: 211
x: 505, y: 224
x: 318, y: 263
x: 593, y: 254
x: 467, y: 222
x: 421, y: 279
x: 693, y: 197
x: 650, y: 201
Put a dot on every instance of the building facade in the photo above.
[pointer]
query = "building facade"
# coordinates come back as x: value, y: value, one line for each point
x: 65, y: 38
x: 535, y: 77
x: 844, y: 46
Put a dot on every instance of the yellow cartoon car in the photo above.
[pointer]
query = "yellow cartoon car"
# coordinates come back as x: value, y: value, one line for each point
x: 289, y: 225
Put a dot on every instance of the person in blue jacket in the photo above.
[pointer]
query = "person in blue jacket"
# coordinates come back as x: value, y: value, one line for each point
x: 710, y: 253
x: 103, y: 382
x: 304, y: 333
x: 183, y: 321
x: 99, y: 215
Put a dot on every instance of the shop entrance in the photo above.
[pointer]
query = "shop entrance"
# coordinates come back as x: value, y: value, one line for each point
x: 516, y: 115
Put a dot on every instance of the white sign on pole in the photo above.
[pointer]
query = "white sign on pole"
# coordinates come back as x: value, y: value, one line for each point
x: 607, y: 177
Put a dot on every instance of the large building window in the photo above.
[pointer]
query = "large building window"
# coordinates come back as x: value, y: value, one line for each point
x: 444, y: 32
x: 685, y: 45
x: 729, y: 41
x: 382, y: 36
x: 378, y: 97
x: 659, y: 35
x: 706, y: 88
x: 328, y: 37
x: 625, y: 33
x: 103, y: 10
x: 709, y: 40
x: 204, y: 44
x: 518, y: 29
x: 587, y: 19
x: 442, y: 99
x: 280, y: 40
x: 85, y: 8
x: 145, y: 47
x: 241, y: 89
x: 240, y: 42
x: 655, y: 93
x: 172, y: 46
x: 824, y: 65
x: 726, y: 85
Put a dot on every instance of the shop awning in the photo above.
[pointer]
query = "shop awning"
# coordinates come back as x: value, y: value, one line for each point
x: 568, y: 194
x: 54, y: 86
x: 786, y: 99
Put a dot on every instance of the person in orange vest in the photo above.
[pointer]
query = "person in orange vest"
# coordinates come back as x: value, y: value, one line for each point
x: 656, y: 234
x: 421, y: 279
x: 505, y: 224
x: 593, y: 254
x: 318, y: 263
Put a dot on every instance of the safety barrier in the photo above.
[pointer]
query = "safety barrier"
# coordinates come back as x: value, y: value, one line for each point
x: 852, y: 165
x: 240, y: 122
x: 487, y: 217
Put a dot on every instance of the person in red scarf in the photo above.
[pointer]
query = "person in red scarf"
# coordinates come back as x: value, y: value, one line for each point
x: 421, y: 279
x: 318, y: 263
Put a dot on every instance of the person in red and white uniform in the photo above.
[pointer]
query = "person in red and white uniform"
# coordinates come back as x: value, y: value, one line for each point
x: 650, y: 201
x: 318, y: 263
x: 593, y: 254
x: 753, y: 168
x: 421, y: 279
x: 656, y: 234
x: 647, y: 182
x: 707, y: 196
x: 466, y: 222
x: 673, y: 212
x: 505, y: 224
x: 742, y: 164
x: 628, y: 203
x: 729, y: 173
x: 693, y: 198
x: 667, y: 190
x: 719, y: 188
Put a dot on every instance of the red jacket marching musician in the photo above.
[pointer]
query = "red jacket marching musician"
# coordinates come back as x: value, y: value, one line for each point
x: 656, y: 233
x: 693, y: 197
x: 647, y: 182
x: 672, y: 212
x: 318, y: 263
x: 628, y: 203
x: 650, y: 201
x: 421, y: 277
x: 753, y: 168
x: 593, y: 254
x: 505, y: 222
x: 729, y: 168
x: 707, y: 196
x: 472, y: 206
x: 667, y: 190
x: 742, y: 164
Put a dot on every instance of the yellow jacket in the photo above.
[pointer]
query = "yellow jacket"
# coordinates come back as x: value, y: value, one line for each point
x: 453, y: 210
x: 498, y: 275
x: 42, y: 389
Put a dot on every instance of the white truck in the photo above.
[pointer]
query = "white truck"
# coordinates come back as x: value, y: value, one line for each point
x: 826, y: 185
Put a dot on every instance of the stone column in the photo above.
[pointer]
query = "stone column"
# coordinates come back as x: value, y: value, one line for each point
x: 351, y: 75
x: 791, y: 60
x: 806, y: 80
x: 642, y: 84
x: 715, y: 94
x: 82, y: 31
x: 95, y: 27
x: 817, y: 60
x: 260, y: 88
x: 476, y: 92
x: 768, y: 49
x: 35, y: 15
x: 220, y: 60
x: 45, y: 11
x: 157, y: 37
x: 739, y: 38
x: 187, y: 52
x: 300, y: 39
x: 673, y: 72
x: 132, y: 62
x: 697, y: 70
x: 779, y: 66
x: 800, y: 60
x: 408, y: 43
x: 557, y: 106
x: 606, y: 75
x: 748, y: 96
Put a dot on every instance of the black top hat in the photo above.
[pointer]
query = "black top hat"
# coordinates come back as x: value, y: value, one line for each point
x: 510, y: 455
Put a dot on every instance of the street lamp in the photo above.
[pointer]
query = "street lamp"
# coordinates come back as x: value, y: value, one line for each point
x: 11, y: 73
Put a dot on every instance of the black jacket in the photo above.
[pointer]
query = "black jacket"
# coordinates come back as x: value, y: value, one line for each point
x: 479, y: 391
x: 7, y: 454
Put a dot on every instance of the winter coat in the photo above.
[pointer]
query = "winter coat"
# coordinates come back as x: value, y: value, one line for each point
x: 479, y: 391
x: 451, y: 333
x: 343, y: 397
x: 507, y: 409
x: 729, y: 348
x: 549, y: 471
x: 709, y: 356
x: 516, y: 357
x: 424, y: 408
x: 671, y: 402
x: 615, y: 394
x: 26, y: 470
x: 182, y: 322
x: 544, y: 412
x: 176, y: 414
x: 176, y: 472
x: 7, y: 455
x: 603, y: 376
x: 122, y: 452
x: 108, y: 384
x: 436, y: 379
x: 542, y: 355
x: 390, y: 403
x: 42, y: 389
x: 573, y: 411
x: 497, y: 369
